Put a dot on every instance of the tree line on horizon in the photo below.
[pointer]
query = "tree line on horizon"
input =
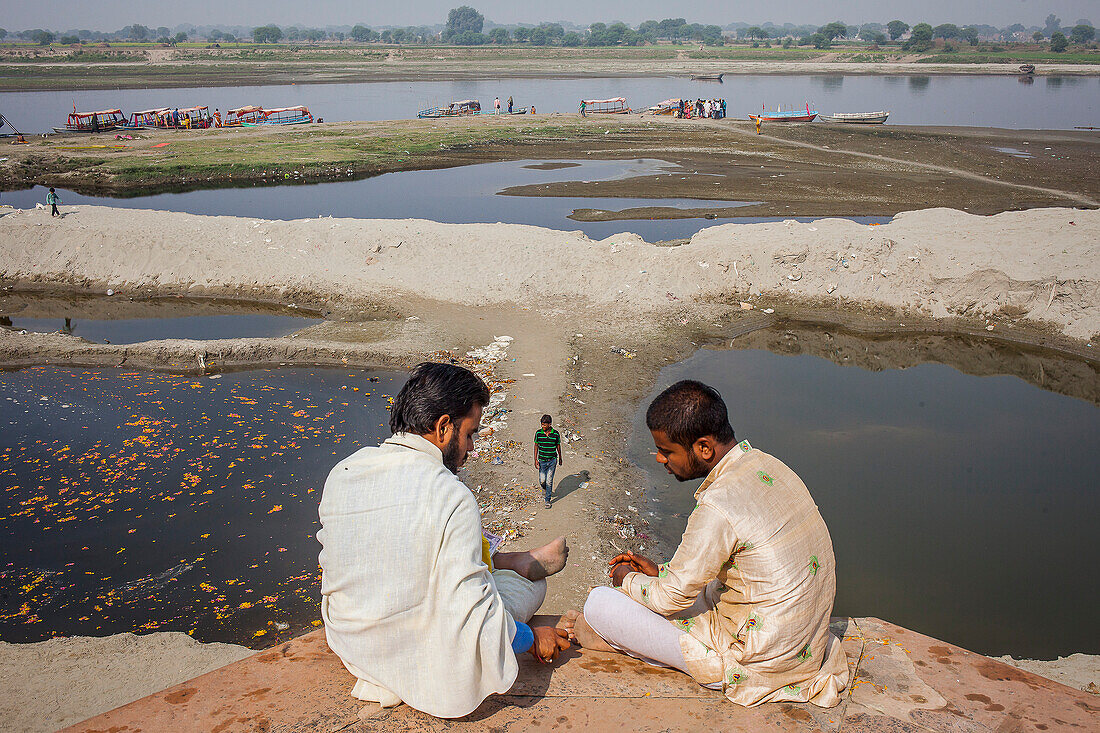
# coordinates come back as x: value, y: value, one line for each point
x: 466, y: 26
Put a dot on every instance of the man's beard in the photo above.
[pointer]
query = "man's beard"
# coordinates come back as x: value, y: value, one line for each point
x: 695, y: 468
x: 452, y: 453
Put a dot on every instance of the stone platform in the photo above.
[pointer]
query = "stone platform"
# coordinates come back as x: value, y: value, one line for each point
x: 903, y: 681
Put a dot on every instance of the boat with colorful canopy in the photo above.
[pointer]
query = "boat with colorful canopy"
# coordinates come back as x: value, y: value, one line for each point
x: 794, y: 115
x: 667, y: 107
x: 299, y: 115
x: 103, y: 121
x: 144, y: 119
x: 242, y: 115
x: 189, y: 118
x: 614, y: 106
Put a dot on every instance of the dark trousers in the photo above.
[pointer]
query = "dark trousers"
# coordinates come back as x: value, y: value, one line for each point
x: 54, y: 211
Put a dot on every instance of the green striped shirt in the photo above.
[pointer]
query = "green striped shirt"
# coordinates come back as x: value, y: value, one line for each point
x: 547, y: 444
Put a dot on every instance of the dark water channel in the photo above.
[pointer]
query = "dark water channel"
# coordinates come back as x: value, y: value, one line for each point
x: 1049, y: 102
x: 961, y: 506
x: 119, y: 319
x: 134, y: 501
x: 462, y: 195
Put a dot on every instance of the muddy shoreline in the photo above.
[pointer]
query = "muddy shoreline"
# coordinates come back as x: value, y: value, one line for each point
x: 808, y: 170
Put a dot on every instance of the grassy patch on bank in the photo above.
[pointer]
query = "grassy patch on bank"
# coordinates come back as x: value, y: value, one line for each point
x: 197, y: 159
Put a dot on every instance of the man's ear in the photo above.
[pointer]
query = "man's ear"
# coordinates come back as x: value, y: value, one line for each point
x: 442, y: 428
x: 704, y: 449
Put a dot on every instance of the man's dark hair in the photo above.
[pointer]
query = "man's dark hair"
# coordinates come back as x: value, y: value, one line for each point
x: 435, y: 390
x: 689, y: 410
x: 546, y: 419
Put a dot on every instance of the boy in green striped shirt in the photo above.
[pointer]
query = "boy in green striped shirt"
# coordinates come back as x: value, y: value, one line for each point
x: 547, y: 456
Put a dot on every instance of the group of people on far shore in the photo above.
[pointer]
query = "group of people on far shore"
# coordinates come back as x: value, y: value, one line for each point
x: 421, y: 608
x: 714, y: 109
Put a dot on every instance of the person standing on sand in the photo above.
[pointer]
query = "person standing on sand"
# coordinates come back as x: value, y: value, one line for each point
x: 509, y: 105
x: 743, y: 605
x: 53, y: 201
x: 414, y: 603
x: 547, y: 456
x: 496, y: 104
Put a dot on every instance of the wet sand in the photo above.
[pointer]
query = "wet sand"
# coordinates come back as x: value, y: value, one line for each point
x: 801, y: 170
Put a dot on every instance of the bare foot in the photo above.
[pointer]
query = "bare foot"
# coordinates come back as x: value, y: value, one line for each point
x: 543, y: 561
x: 579, y: 631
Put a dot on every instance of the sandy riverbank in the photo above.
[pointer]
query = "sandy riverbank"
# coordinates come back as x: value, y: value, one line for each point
x: 803, y: 170
x: 1035, y: 267
x: 566, y: 301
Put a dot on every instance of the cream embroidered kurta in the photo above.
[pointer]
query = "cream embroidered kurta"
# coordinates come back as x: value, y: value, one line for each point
x: 407, y: 603
x: 758, y: 550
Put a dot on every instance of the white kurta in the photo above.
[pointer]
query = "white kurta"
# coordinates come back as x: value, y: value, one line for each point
x: 407, y: 603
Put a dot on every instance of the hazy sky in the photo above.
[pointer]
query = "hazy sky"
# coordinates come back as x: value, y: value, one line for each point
x: 113, y: 14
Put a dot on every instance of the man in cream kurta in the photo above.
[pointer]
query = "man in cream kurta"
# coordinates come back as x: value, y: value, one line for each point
x: 758, y: 551
x: 744, y: 604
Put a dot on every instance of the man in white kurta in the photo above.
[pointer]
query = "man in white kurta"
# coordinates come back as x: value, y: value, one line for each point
x: 408, y: 603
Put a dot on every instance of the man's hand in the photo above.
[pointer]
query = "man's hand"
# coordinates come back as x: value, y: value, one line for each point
x: 637, y: 563
x: 619, y: 572
x: 549, y: 641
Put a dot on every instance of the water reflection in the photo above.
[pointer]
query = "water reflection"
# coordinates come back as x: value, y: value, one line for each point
x: 120, y: 320
x: 990, y: 100
x: 134, y: 501
x: 461, y: 195
x: 948, y: 495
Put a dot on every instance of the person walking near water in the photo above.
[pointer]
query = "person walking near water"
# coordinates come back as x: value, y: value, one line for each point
x: 53, y: 201
x: 547, y: 456
x: 584, y: 105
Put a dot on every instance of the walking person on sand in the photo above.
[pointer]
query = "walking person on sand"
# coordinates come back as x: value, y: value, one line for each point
x: 53, y: 201
x: 496, y: 103
x: 584, y: 105
x: 547, y: 456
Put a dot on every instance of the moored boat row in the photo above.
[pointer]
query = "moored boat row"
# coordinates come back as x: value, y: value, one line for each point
x: 188, y: 118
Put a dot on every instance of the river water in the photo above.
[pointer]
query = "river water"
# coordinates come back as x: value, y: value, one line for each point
x: 963, y: 507
x: 134, y: 501
x: 1050, y: 102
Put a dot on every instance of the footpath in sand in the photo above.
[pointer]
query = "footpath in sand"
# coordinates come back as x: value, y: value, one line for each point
x: 567, y: 301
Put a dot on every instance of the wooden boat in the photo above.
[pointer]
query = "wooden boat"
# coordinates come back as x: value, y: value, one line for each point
x: 794, y: 115
x: 615, y: 106
x: 190, y: 118
x: 461, y: 108
x: 299, y: 115
x: 707, y: 77
x: 858, y: 118
x: 1027, y: 69
x: 144, y: 119
x: 519, y: 111
x: 667, y: 107
x: 239, y: 116
x: 103, y: 121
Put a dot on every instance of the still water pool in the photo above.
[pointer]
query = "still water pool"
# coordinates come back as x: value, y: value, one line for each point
x: 463, y: 195
x: 960, y: 506
x: 133, y: 501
